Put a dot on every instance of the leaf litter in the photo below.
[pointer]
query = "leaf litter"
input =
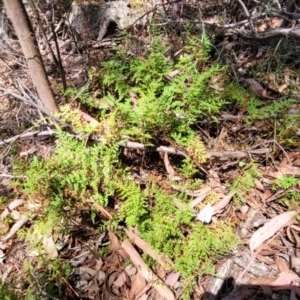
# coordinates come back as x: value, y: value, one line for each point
x: 266, y: 237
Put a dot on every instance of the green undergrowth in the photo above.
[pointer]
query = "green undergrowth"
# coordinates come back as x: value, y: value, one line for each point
x: 243, y: 184
x: 276, y: 113
x: 154, y: 100
x: 291, y: 195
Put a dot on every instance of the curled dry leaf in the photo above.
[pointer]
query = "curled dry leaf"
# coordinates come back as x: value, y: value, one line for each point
x: 11, y: 207
x: 219, y: 206
x: 258, y: 90
x: 269, y: 229
x: 115, y: 245
x: 15, y: 228
x: 163, y: 261
x: 205, y: 192
x: 50, y: 247
x: 285, y: 279
x: 168, y: 166
x: 160, y: 287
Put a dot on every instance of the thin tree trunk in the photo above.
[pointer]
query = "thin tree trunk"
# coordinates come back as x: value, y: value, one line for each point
x: 18, y: 15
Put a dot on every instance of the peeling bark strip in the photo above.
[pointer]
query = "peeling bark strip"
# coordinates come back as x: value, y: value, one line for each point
x: 17, y: 13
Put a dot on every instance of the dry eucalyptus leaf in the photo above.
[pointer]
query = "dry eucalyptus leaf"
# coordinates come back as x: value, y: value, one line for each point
x: 138, y: 285
x: 147, y: 248
x: 205, y: 192
x: 258, y: 90
x: 285, y: 279
x: 14, y: 204
x: 168, y: 166
x: 115, y: 245
x: 172, y: 278
x: 50, y: 247
x: 282, y: 264
x: 222, y: 204
x: 15, y: 228
x: 269, y: 229
x: 160, y: 287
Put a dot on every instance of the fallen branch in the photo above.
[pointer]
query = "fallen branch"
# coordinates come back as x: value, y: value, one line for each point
x: 26, y: 101
x: 280, y: 32
x: 136, y: 145
x: 28, y: 135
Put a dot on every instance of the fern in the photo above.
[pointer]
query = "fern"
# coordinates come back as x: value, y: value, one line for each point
x: 246, y: 181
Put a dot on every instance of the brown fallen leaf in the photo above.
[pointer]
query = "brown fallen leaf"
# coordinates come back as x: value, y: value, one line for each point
x: 147, y: 248
x: 87, y: 117
x: 282, y: 264
x: 289, y: 170
x: 258, y: 90
x: 11, y: 207
x: 50, y: 247
x: 264, y: 233
x: 220, y: 205
x: 137, y: 287
x: 158, y: 284
x: 174, y: 73
x: 22, y: 221
x: 104, y: 212
x: 115, y: 245
x: 172, y: 278
x: 285, y: 279
x: 269, y: 229
x: 201, y: 196
x: 168, y: 167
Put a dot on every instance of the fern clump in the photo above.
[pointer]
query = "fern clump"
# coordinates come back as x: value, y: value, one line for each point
x: 141, y: 101
x: 244, y: 183
x: 150, y: 104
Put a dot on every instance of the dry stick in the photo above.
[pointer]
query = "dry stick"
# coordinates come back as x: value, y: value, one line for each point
x: 248, y: 15
x: 261, y: 36
x: 135, y: 145
x: 35, y: 11
x: 29, y: 102
x: 57, y: 61
x: 28, y: 135
x: 68, y: 284
x: 40, y: 288
x: 22, y: 91
x: 50, y: 15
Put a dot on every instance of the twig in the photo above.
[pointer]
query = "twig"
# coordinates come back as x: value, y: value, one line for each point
x: 68, y: 284
x: 247, y: 14
x: 279, y: 32
x: 29, y: 102
x: 28, y: 135
x: 40, y: 288
x: 232, y: 25
x: 136, y: 145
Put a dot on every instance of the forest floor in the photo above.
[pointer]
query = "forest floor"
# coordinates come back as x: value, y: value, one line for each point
x: 173, y: 172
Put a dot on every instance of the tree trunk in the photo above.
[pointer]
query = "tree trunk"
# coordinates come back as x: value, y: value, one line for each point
x: 18, y: 15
